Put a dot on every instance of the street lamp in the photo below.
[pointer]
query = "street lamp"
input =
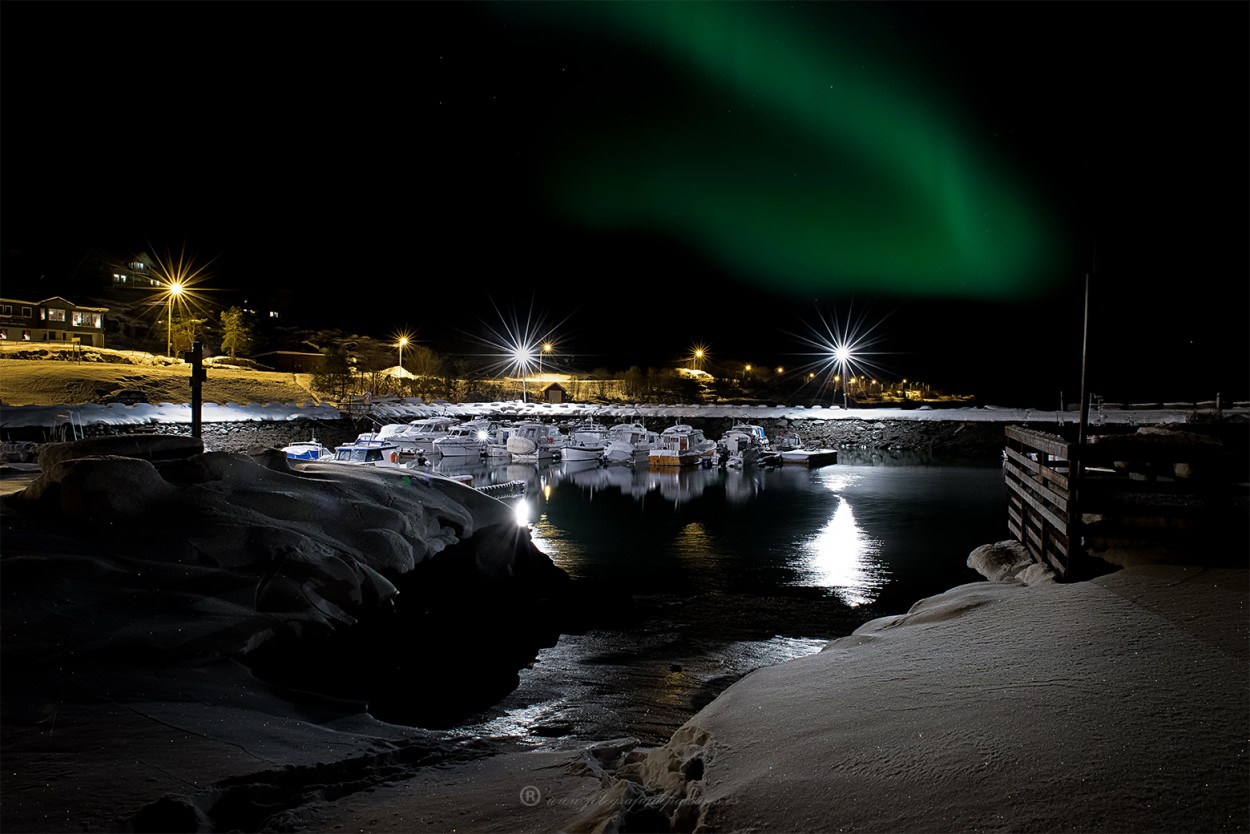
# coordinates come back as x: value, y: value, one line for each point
x: 546, y: 349
x: 523, y: 362
x: 173, y: 291
x: 842, y: 355
x: 403, y: 340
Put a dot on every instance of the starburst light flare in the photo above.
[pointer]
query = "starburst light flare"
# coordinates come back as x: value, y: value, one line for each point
x: 842, y: 350
x: 516, y: 346
x: 180, y: 280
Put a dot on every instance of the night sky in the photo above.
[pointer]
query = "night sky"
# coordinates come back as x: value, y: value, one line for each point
x: 638, y: 178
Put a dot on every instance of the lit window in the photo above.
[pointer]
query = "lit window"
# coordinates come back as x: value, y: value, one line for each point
x: 4, y: 333
x: 84, y: 319
x: 25, y: 336
x: 56, y: 314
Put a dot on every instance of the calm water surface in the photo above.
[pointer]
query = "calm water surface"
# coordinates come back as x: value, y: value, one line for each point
x: 729, y: 571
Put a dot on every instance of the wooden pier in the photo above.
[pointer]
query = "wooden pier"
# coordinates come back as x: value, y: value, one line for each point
x: 1154, y: 495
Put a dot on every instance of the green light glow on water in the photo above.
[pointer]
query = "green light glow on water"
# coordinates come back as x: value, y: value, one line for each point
x: 795, y: 158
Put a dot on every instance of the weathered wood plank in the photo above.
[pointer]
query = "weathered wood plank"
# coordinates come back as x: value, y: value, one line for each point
x: 1051, y: 444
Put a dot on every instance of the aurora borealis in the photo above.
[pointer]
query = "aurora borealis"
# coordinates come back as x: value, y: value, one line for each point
x: 796, y: 157
x: 647, y: 175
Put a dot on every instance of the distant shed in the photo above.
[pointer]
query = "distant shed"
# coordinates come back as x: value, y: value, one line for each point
x: 554, y: 393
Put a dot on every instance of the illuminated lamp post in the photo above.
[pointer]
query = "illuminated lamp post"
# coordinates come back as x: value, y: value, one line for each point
x: 523, y: 361
x: 174, y: 290
x: 842, y: 356
x: 403, y: 340
x: 546, y: 349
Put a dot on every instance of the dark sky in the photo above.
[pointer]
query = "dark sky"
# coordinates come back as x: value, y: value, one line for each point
x: 640, y: 178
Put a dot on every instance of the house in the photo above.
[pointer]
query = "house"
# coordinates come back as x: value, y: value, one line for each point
x: 554, y: 393
x: 52, y: 320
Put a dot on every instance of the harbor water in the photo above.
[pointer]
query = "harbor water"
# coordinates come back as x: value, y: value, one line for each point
x: 727, y: 571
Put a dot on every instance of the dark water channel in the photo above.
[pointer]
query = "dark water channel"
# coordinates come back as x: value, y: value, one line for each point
x: 728, y: 571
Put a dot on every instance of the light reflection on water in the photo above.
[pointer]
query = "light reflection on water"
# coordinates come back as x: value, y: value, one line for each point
x: 844, y: 558
x: 729, y: 570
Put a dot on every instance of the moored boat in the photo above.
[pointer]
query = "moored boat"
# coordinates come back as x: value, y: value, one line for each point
x: 629, y: 442
x: 746, y: 444
x: 417, y: 435
x: 308, y: 450
x: 369, y: 452
x: 682, y: 445
x: 809, y: 457
x: 465, y: 440
x: 532, y: 440
x: 793, y: 452
x: 586, y: 441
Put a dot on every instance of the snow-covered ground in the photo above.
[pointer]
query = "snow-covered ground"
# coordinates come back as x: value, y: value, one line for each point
x: 1114, y: 705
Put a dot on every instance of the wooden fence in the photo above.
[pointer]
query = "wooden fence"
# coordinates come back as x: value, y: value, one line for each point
x: 1157, y: 495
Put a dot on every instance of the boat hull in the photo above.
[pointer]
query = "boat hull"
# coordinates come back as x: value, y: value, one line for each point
x: 460, y: 450
x: 672, y: 460
x: 582, y: 453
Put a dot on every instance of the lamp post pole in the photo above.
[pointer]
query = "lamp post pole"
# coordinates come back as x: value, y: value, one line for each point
x: 522, y: 362
x: 174, y: 289
x: 402, y: 341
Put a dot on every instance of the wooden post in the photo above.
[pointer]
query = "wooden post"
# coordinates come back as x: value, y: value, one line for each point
x: 1075, y: 535
x: 198, y: 375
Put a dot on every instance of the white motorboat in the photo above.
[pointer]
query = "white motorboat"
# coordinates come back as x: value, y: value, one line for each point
x: 756, y: 434
x: 629, y: 442
x: 308, y: 450
x: 682, y: 445
x: 497, y: 443
x: 792, y: 452
x: 532, y: 440
x: 370, y: 452
x: 586, y: 441
x: 465, y: 440
x: 746, y: 444
x: 417, y: 435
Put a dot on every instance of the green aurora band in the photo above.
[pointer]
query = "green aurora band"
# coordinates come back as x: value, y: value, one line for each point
x: 794, y: 162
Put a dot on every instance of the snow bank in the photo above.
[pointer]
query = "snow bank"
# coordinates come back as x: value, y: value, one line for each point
x: 153, y: 591
x: 1117, y: 704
